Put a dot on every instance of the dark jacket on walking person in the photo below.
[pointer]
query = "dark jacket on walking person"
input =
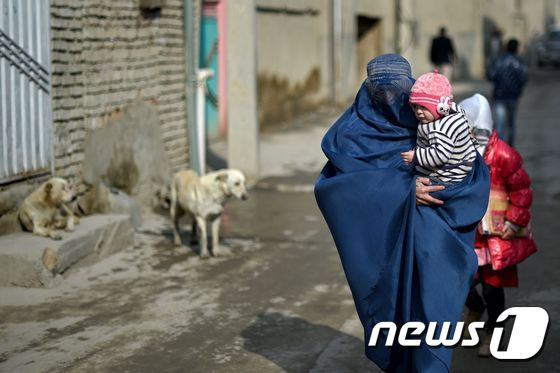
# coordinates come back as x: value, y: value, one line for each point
x: 509, y: 74
x: 442, y: 51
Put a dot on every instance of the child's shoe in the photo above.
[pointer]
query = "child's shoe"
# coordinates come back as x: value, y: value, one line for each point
x: 471, y: 317
x: 484, y: 349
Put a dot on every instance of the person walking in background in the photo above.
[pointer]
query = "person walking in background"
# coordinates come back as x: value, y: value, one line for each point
x: 502, y: 239
x: 442, y: 53
x: 509, y: 74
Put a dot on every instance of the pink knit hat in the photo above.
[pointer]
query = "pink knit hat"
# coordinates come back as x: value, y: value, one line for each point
x: 433, y: 91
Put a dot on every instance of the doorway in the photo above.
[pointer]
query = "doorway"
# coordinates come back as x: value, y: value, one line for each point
x: 368, y: 40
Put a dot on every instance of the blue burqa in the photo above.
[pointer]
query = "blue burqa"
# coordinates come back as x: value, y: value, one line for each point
x: 403, y: 262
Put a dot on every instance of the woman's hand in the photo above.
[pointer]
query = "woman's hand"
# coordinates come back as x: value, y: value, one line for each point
x: 423, y: 190
x: 507, y: 232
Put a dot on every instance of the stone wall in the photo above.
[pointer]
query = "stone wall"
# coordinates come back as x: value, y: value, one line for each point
x: 293, y: 58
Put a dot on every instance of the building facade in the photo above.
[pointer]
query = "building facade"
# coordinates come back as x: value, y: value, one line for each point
x: 70, y: 67
x: 102, y: 58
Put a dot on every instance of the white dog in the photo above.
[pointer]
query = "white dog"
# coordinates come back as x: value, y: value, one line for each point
x: 204, y: 198
x: 40, y: 212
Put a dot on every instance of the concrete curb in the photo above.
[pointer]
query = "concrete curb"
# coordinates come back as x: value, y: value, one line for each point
x: 31, y: 261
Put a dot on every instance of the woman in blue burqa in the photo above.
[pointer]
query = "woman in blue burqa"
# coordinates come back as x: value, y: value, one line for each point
x: 407, y: 254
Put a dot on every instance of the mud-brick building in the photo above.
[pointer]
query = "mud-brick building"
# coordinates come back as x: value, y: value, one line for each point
x: 71, y: 67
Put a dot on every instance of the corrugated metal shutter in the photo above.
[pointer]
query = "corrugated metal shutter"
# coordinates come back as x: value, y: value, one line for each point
x: 25, y: 85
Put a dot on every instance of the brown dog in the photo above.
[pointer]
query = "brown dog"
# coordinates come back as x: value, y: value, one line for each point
x: 43, y: 212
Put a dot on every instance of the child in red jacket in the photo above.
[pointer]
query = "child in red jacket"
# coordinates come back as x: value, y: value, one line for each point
x: 503, y: 238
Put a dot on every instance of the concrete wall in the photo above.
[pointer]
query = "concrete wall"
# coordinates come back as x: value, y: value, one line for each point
x: 243, y: 126
x: 383, y: 9
x: 290, y: 46
x: 296, y: 68
x: 105, y: 56
x: 354, y: 71
x: 293, y: 57
x: 462, y: 22
x: 519, y: 19
x: 465, y: 22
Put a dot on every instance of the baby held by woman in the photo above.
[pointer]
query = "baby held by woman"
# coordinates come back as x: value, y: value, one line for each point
x: 444, y: 149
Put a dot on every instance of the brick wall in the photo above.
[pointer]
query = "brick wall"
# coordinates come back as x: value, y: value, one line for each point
x: 105, y: 55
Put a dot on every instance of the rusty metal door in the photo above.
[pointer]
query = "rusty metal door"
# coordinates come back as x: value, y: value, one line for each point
x: 25, y: 85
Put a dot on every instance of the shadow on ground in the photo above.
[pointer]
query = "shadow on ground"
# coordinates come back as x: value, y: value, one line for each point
x: 298, y: 346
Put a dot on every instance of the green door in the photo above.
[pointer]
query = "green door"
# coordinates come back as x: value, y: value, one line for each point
x: 209, y: 59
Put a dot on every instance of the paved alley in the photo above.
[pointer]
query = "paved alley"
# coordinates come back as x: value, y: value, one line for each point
x: 279, y: 302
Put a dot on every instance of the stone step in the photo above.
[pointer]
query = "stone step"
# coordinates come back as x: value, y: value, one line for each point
x: 30, y: 261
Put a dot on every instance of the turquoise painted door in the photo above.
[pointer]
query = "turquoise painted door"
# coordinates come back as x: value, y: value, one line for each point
x: 209, y: 59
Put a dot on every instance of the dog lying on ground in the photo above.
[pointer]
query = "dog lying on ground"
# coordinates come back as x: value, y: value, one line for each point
x: 44, y: 211
x: 203, y: 199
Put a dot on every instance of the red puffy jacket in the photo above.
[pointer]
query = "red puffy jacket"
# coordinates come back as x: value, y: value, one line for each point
x: 506, y: 172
